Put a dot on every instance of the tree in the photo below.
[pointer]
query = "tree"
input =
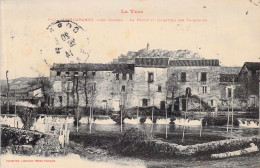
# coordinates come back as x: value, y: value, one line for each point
x: 45, y: 85
x: 172, y: 87
x: 28, y: 116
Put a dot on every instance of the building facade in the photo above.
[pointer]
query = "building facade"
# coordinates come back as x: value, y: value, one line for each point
x: 249, y: 79
x: 156, y: 81
x: 150, y: 82
x: 104, y: 86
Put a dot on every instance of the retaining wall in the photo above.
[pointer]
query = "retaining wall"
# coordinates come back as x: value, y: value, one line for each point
x: 205, y: 148
x: 18, y: 141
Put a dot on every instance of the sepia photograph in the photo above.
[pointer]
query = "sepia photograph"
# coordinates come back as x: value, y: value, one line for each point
x: 130, y: 84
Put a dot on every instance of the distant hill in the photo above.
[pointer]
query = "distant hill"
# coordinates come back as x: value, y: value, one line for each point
x: 17, y: 83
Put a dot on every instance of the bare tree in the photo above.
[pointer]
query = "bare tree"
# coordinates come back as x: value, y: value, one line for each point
x: 172, y: 87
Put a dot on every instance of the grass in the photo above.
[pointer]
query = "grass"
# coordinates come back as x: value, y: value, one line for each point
x: 189, y: 139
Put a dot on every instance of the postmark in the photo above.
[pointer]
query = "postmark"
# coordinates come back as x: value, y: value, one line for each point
x: 66, y: 34
x: 67, y: 42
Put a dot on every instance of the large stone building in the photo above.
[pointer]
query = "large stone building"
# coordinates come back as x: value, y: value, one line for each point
x: 105, y: 86
x: 150, y: 82
x: 156, y: 81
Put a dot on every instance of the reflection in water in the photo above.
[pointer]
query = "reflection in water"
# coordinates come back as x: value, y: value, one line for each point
x: 156, y: 128
x: 105, y: 123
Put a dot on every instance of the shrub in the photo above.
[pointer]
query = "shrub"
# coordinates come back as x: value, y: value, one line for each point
x: 135, y: 141
x: 218, y: 121
x: 142, y: 120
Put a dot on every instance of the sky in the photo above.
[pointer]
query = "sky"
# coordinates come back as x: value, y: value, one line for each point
x: 230, y: 31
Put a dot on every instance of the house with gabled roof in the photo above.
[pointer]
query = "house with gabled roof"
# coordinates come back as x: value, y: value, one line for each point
x: 249, y: 79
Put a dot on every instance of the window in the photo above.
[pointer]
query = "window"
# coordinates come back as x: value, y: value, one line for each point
x: 117, y: 76
x: 69, y: 86
x: 76, y: 73
x: 84, y: 73
x: 229, y: 91
x: 130, y: 76
x: 162, y: 105
x: 204, y: 89
x: 93, y: 86
x: 183, y: 77
x: 60, y: 99
x: 67, y: 73
x: 203, y: 76
x: 93, y: 73
x: 159, y: 88
x: 150, y: 77
x: 145, y: 102
x: 123, y: 88
x: 188, y: 91
x: 124, y: 76
x: 58, y: 73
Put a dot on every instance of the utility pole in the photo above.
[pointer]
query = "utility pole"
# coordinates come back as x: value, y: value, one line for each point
x: 14, y: 107
x: 232, y: 100
x: 121, y: 119
x: 8, y: 89
x: 152, y: 114
x: 228, y: 116
x: 166, y: 119
x: 183, y: 133
x: 201, y: 120
x: 78, y: 118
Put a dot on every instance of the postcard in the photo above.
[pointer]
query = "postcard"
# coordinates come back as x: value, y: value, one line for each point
x: 130, y: 83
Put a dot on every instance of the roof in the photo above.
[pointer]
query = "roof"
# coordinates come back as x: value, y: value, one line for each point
x: 201, y: 62
x: 151, y: 62
x: 228, y: 77
x: 252, y: 65
x: 116, y: 68
x: 229, y: 70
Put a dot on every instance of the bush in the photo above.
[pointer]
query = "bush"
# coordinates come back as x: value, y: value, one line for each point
x: 135, y: 141
x: 28, y: 116
x: 142, y: 120
x: 218, y: 121
x: 4, y: 109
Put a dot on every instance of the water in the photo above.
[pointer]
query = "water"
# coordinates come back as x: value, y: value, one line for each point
x: 105, y: 123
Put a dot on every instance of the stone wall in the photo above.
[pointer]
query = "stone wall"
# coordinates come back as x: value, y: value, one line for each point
x: 18, y: 141
x: 145, y: 90
x: 107, y: 92
x: 205, y: 148
x: 216, y: 91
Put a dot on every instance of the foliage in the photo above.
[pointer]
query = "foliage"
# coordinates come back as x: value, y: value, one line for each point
x: 45, y: 84
x: 28, y: 116
x: 135, y: 141
x: 218, y: 121
x: 4, y: 109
